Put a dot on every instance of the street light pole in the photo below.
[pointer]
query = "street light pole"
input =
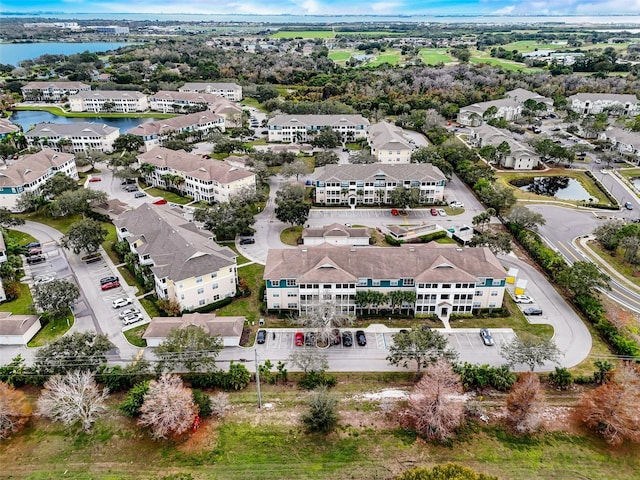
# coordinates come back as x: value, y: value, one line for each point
x: 258, y: 379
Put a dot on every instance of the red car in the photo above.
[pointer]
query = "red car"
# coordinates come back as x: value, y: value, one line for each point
x: 434, y: 212
x: 160, y: 201
x: 95, y: 179
x: 299, y: 339
x: 110, y: 285
x: 394, y: 212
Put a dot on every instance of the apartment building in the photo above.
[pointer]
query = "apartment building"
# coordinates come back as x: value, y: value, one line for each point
x: 7, y: 128
x: 188, y: 267
x: 73, y: 137
x: 200, y: 123
x: 31, y: 172
x: 388, y: 143
x: 230, y: 91
x: 302, y: 128
x: 614, y: 103
x: 117, y: 101
x: 373, y: 183
x: 519, y: 156
x: 510, y: 108
x: 51, y: 91
x: 445, y: 279
x: 624, y: 141
x: 204, y: 180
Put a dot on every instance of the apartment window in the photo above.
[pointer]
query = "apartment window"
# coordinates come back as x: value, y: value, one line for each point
x: 276, y: 305
x: 494, y: 293
x: 276, y: 295
x: 214, y: 274
x: 393, y: 283
x: 200, y: 291
x: 496, y: 282
x: 292, y: 305
x: 292, y: 294
x: 408, y: 282
x: 198, y: 279
x: 446, y: 285
x: 216, y: 298
x: 214, y: 286
x: 478, y: 293
x: 375, y: 283
x: 362, y: 282
x: 182, y: 296
x: 291, y: 282
x: 444, y: 297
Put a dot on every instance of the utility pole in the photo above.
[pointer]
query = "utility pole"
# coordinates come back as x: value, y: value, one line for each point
x: 258, y: 379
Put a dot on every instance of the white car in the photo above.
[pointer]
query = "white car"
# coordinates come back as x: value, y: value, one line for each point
x: 523, y: 299
x: 121, y: 302
x: 129, y: 311
x: 441, y: 212
x: 456, y: 205
x: 133, y: 318
x: 44, y: 279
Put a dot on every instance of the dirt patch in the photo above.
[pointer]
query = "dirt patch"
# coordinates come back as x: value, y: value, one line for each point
x: 203, y: 439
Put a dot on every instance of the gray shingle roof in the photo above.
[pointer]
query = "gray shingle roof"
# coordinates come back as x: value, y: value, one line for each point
x: 32, y: 167
x: 384, y: 136
x: 334, y: 230
x: 175, y: 123
x: 16, y: 324
x: 318, y: 120
x: 80, y: 129
x: 178, y: 249
x: 212, y: 324
x: 424, y: 263
x: 110, y: 94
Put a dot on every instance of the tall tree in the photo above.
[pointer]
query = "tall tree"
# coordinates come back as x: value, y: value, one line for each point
x: 435, y: 408
x: 75, y: 202
x: 56, y: 297
x: 525, y: 218
x: 15, y: 410
x: 57, y: 184
x: 8, y: 219
x: 226, y: 220
x: 583, y: 278
x: 531, y: 351
x: 612, y: 409
x: 291, y: 205
x: 78, y: 351
x: 425, y: 347
x: 72, y: 399
x: 525, y: 403
x: 86, y: 234
x: 403, y: 197
x: 128, y: 143
x: 295, y: 169
x: 168, y: 408
x: 191, y: 348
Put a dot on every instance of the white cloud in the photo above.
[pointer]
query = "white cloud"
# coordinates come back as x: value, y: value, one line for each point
x: 508, y: 10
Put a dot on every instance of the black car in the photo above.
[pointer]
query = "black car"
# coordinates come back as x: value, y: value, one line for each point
x: 108, y: 280
x: 487, y: 339
x: 347, y: 339
x: 310, y: 339
x: 261, y: 337
x: 33, y: 259
x: 361, y: 338
x: 532, y: 311
x: 31, y: 245
x: 247, y: 241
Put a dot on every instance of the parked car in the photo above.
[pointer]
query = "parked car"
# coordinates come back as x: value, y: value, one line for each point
x: 44, y: 279
x: 347, y: 339
x: 523, y: 299
x: 487, y: 339
x: 121, y: 302
x: 32, y: 260
x: 394, y: 212
x: 261, y: 337
x: 434, y: 212
x: 361, y: 338
x: 131, y: 188
x: 532, y: 311
x: 139, y: 195
x: 110, y: 285
x: 128, y: 311
x: 335, y: 337
x: 35, y: 251
x: 128, y: 181
x: 247, y: 241
x: 628, y: 206
x: 299, y: 339
x: 92, y: 258
x: 310, y: 339
x: 95, y: 179
x: 160, y: 201
x: 33, y: 245
x: 441, y: 212
x: 109, y: 279
x: 133, y: 318
x: 456, y: 204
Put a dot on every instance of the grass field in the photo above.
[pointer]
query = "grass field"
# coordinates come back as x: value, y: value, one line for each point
x: 304, y: 34
x: 340, y: 55
x: 392, y: 57
x: 433, y: 56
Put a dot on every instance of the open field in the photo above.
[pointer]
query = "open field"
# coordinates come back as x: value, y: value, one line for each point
x: 304, y: 34
x: 432, y: 56
x: 391, y: 57
x: 340, y: 55
x: 269, y: 443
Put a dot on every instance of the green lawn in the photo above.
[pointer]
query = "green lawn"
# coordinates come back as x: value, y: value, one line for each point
x: 433, y: 56
x: 51, y: 331
x: 61, y: 113
x: 290, y: 235
x: 392, y: 57
x: 247, y: 306
x: 339, y: 55
x: 168, y: 196
x: 22, y: 304
x: 134, y: 336
x: 304, y: 34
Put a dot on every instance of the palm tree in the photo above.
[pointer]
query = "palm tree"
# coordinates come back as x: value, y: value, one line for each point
x: 64, y: 144
x: 147, y: 169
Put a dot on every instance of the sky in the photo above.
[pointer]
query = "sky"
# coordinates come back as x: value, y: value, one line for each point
x: 330, y: 7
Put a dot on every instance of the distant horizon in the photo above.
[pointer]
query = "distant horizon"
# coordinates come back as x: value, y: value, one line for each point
x: 330, y: 8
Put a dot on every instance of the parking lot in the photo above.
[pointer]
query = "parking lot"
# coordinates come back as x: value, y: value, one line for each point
x: 372, y: 357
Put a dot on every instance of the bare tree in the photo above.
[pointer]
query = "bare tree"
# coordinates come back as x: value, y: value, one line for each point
x: 15, y: 410
x: 435, y: 406
x: 73, y: 398
x: 525, y: 402
x: 220, y: 404
x: 612, y: 409
x: 322, y: 317
x: 168, y: 407
x: 309, y: 360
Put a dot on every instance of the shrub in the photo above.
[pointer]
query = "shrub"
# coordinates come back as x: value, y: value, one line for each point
x: 134, y: 400
x: 203, y: 401
x: 322, y: 416
x: 561, y: 378
x: 314, y: 379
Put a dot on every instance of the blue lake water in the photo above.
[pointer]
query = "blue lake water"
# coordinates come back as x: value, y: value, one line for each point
x: 14, y: 53
x: 27, y: 119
